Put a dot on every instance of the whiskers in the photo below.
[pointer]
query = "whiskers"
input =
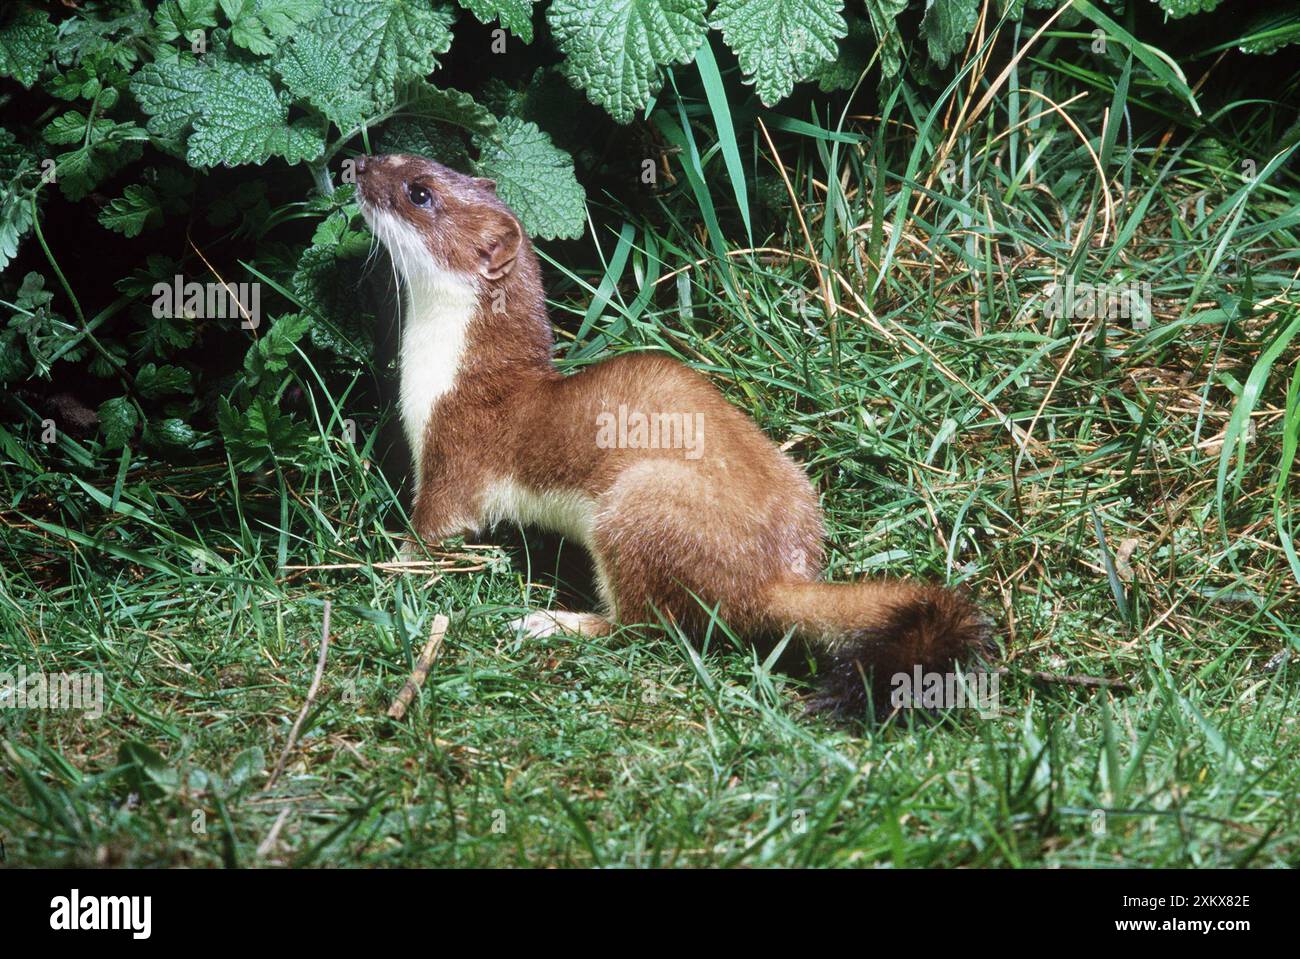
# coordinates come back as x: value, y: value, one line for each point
x: 381, y: 235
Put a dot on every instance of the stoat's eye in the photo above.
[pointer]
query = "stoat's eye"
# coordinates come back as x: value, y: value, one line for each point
x: 419, y: 195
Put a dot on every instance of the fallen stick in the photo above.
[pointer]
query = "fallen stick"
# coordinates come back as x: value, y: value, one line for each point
x: 311, y: 698
x: 1091, y: 682
x: 268, y: 843
x: 422, y: 666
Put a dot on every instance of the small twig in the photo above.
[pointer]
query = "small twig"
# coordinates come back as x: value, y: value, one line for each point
x: 1092, y: 682
x: 422, y: 666
x: 311, y: 698
x: 269, y: 842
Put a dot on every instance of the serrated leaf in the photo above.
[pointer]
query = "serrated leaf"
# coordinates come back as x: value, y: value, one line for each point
x: 13, y: 362
x: 159, y: 335
x: 246, y: 121
x: 780, y: 42
x: 174, y: 432
x: 112, y: 146
x: 171, y: 94
x: 326, y: 276
x: 515, y: 15
x: 855, y: 51
x: 946, y: 26
x: 15, y: 222
x: 26, y: 42
x: 447, y: 105
x: 271, y: 353
x: 615, y: 49
x: 1270, y: 31
x: 46, y: 334
x: 236, y: 113
x: 883, y: 15
x: 137, y: 209
x: 154, y: 381
x: 426, y: 138
x: 117, y: 418
x: 1185, y: 8
x: 535, y: 178
x: 257, y: 25
x: 310, y: 74
x: 71, y: 127
x: 15, y: 198
x: 179, y: 18
x: 260, y: 431
x: 380, y: 44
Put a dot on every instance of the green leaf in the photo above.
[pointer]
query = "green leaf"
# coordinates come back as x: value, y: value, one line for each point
x: 236, y: 113
x: 71, y: 127
x: 615, y: 49
x: 855, y: 51
x: 137, y: 209
x: 249, y: 763
x: 177, y: 19
x: 380, y: 44
x: 26, y: 41
x: 535, y: 178
x: 421, y: 125
x: 883, y: 15
x: 45, y: 333
x: 15, y: 222
x: 246, y: 121
x: 15, y: 199
x: 447, y: 105
x: 118, y: 420
x: 309, y: 73
x: 1185, y: 8
x: 780, y: 42
x: 146, y: 772
x: 171, y: 94
x: 260, y: 432
x: 257, y: 25
x: 101, y: 148
x: 515, y: 15
x: 1270, y: 31
x: 426, y: 138
x: 946, y: 25
x: 271, y: 353
x: 14, y: 367
x: 327, y: 276
x: 174, y: 432
x: 154, y: 381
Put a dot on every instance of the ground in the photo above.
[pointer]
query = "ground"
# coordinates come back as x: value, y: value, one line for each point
x: 1114, y: 490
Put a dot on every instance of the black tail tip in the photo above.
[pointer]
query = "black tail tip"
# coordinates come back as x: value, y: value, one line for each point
x: 935, y: 630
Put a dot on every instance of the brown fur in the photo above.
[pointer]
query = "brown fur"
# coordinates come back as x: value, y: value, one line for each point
x: 738, y: 529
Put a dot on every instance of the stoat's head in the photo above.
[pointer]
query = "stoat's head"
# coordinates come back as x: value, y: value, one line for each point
x: 433, y: 219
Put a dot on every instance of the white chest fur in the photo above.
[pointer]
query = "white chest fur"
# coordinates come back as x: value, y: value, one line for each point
x: 570, y: 513
x: 439, y: 308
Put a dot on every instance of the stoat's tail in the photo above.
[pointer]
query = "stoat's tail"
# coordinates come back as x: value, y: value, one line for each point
x: 866, y: 633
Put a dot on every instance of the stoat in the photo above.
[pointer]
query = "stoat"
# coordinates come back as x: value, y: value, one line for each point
x: 686, y: 508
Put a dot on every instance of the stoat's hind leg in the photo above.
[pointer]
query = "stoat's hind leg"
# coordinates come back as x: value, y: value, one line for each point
x: 548, y: 622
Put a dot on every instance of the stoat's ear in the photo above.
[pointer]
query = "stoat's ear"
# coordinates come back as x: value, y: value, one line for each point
x: 499, y: 247
x: 485, y: 183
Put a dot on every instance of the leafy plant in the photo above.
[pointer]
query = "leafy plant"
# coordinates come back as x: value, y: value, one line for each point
x: 134, y: 112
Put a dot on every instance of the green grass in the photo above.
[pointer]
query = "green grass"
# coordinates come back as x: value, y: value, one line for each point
x: 1117, y: 494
